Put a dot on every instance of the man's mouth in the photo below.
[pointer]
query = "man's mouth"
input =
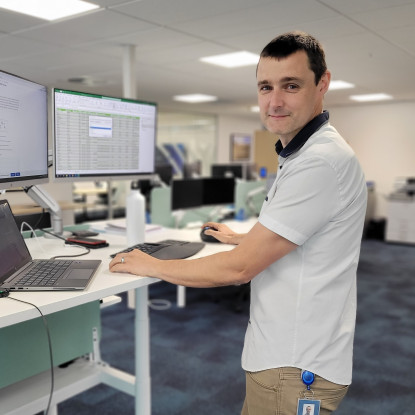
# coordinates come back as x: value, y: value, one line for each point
x: 278, y: 116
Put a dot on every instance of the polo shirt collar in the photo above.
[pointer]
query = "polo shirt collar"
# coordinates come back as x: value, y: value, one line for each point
x: 302, y: 136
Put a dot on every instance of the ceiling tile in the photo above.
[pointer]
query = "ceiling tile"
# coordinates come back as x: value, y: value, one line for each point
x: 102, y: 24
x: 180, y: 11
x: 382, y: 19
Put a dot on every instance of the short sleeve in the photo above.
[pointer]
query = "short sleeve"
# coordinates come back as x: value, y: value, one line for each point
x: 303, y: 200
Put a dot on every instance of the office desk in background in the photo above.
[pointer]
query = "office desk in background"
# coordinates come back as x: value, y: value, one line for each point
x: 31, y: 395
x: 24, y: 209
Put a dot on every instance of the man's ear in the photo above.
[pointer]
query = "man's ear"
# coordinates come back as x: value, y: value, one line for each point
x: 325, y: 82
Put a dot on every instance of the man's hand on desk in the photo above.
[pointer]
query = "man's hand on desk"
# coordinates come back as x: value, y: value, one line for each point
x: 223, y: 233
x: 134, y: 262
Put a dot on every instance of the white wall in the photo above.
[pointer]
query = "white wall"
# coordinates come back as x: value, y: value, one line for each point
x: 382, y: 135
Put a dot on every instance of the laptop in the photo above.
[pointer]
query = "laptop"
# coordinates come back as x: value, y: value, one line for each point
x: 17, y: 266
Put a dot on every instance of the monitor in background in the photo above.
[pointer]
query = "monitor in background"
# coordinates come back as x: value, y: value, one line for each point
x: 165, y: 172
x: 244, y: 171
x: 227, y: 170
x: 186, y: 193
x: 192, y: 170
x: 207, y: 191
x: 23, y: 132
x: 218, y: 191
x: 102, y: 137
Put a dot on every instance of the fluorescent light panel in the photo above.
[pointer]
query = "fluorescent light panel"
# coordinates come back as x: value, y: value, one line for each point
x: 195, y: 98
x: 370, y: 97
x: 338, y: 84
x: 48, y: 9
x: 232, y: 60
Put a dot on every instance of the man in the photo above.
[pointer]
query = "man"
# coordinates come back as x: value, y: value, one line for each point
x: 302, y: 253
x: 307, y: 410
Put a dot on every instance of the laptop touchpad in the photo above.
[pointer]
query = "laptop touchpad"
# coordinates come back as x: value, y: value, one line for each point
x: 79, y: 274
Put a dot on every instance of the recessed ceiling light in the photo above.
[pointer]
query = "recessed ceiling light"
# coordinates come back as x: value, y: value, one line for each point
x: 48, y: 9
x: 232, y: 60
x: 255, y: 108
x: 371, y: 97
x: 195, y: 98
x: 337, y: 84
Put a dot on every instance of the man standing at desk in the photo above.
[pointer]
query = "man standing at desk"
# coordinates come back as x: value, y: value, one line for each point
x: 302, y: 254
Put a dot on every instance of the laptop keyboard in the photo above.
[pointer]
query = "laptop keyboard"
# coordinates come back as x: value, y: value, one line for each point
x: 44, y: 273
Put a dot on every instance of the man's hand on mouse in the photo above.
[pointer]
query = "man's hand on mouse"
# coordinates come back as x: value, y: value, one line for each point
x: 222, y: 233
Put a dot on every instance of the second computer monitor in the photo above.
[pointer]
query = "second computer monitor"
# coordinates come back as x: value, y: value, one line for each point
x: 102, y: 137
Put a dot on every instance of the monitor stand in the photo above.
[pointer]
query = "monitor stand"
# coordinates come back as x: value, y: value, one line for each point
x: 43, y: 199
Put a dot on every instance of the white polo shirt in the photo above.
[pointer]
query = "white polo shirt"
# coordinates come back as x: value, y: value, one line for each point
x: 303, y: 307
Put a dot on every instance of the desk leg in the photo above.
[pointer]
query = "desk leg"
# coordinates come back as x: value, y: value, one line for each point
x: 142, y: 353
x: 181, y: 296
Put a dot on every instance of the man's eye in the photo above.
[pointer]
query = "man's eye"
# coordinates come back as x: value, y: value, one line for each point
x: 265, y: 88
x: 291, y: 87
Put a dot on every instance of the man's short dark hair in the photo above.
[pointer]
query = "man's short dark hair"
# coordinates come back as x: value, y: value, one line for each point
x: 291, y: 42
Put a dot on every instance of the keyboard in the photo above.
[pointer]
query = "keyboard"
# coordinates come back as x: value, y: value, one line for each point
x: 167, y: 249
x: 44, y: 273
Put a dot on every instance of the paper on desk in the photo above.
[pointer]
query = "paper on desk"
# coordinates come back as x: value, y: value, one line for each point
x: 120, y: 227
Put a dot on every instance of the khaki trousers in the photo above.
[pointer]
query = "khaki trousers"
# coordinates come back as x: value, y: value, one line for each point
x: 276, y: 392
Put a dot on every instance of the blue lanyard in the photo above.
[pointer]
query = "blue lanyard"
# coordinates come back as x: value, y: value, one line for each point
x: 307, y: 378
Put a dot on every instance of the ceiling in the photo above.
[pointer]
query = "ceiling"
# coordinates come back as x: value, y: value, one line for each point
x: 370, y: 43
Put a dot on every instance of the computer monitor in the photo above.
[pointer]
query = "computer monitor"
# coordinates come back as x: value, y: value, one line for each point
x: 165, y: 172
x: 192, y: 170
x: 101, y: 137
x: 218, y: 191
x: 23, y: 132
x: 186, y: 193
x: 227, y: 170
x: 244, y: 171
x: 207, y: 191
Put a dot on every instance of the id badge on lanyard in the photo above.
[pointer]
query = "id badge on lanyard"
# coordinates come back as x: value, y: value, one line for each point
x: 308, y: 405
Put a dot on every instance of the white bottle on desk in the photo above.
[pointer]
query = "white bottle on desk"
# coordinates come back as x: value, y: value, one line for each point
x: 136, y: 217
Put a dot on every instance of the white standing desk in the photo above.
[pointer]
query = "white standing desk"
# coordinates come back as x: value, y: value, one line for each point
x: 31, y: 395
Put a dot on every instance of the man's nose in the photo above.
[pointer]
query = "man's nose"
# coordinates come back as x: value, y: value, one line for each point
x: 276, y: 99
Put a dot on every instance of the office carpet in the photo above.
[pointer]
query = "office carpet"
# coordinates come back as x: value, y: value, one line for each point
x: 195, y: 351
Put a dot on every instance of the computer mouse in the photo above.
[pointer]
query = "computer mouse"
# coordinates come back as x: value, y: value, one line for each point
x: 207, y: 238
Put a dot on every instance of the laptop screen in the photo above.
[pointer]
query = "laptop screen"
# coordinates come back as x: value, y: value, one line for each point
x: 13, y: 250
